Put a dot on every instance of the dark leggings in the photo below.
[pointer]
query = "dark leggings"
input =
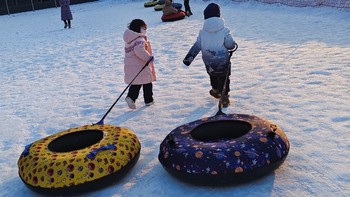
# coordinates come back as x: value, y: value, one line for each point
x: 134, y: 91
x: 218, y: 83
x: 66, y: 22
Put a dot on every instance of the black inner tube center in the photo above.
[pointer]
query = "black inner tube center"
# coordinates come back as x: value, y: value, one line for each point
x: 220, y: 130
x: 75, y: 141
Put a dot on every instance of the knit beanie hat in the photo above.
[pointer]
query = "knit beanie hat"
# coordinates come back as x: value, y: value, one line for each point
x: 136, y: 25
x: 212, y: 10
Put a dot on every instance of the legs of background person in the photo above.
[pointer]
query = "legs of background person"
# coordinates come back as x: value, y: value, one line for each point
x: 187, y: 7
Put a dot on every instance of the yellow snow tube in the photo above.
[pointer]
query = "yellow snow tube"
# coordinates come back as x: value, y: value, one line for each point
x: 78, y: 156
x: 151, y: 3
x: 159, y: 7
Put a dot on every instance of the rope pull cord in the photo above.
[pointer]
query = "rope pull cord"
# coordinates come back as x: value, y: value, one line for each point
x: 109, y: 110
x: 224, y: 86
x: 170, y: 140
x: 272, y: 132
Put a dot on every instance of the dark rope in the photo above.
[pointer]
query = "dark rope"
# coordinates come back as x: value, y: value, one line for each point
x: 109, y: 110
x: 227, y: 74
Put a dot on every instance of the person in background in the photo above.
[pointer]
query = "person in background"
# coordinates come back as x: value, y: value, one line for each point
x: 169, y: 9
x: 187, y: 7
x: 215, y: 41
x: 138, y: 52
x: 66, y: 14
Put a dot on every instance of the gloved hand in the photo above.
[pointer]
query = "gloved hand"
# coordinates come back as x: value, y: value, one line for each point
x: 149, y: 60
x: 186, y: 62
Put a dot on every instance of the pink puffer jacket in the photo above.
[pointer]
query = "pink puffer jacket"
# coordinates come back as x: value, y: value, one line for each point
x: 137, y: 52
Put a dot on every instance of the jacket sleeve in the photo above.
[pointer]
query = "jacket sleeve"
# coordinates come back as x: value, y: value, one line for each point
x: 141, y: 52
x: 193, y: 52
x: 229, y: 43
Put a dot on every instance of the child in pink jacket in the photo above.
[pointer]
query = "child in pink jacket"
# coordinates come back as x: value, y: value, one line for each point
x: 137, y: 52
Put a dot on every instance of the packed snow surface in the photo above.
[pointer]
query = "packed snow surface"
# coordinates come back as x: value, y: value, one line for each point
x: 292, y: 68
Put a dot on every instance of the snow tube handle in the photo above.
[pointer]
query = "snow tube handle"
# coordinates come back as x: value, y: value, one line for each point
x: 272, y: 132
x: 93, y: 153
x: 26, y: 150
x: 170, y: 140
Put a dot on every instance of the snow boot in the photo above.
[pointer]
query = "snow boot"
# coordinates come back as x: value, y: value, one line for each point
x: 215, y: 93
x: 149, y: 104
x: 188, y: 13
x: 130, y: 103
x: 225, y: 101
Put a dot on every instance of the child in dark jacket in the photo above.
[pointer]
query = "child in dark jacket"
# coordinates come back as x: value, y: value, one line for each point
x: 215, y: 41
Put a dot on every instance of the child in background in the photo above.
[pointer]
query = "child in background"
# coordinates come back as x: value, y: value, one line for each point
x: 214, y: 40
x: 169, y: 9
x: 137, y: 52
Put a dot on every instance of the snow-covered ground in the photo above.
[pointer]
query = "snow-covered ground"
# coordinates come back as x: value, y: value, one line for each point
x: 309, y: 3
x: 292, y: 67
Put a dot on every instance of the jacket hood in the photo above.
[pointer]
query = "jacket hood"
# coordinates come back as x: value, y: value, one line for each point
x: 213, y: 24
x: 130, y: 35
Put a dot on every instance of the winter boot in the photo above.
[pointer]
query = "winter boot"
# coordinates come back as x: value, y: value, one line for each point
x: 149, y: 104
x: 225, y: 101
x: 130, y: 103
x: 215, y: 93
x: 65, y: 24
x: 188, y: 13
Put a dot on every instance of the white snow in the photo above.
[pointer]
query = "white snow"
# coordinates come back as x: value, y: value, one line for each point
x: 311, y: 3
x: 292, y: 67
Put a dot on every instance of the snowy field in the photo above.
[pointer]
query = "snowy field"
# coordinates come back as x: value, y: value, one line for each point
x: 292, y: 67
x: 308, y: 3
